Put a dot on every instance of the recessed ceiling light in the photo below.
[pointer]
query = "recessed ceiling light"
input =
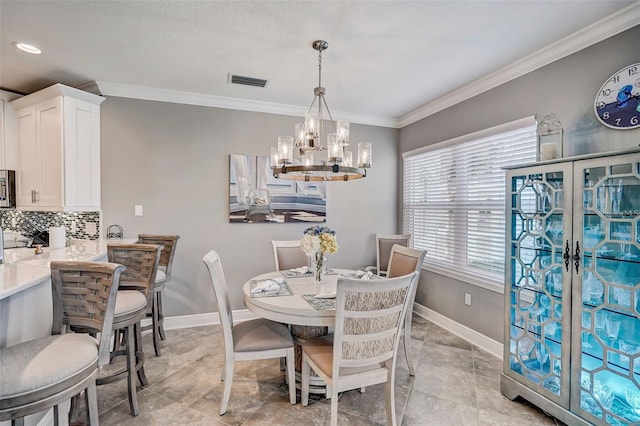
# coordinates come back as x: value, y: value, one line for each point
x: 27, y: 48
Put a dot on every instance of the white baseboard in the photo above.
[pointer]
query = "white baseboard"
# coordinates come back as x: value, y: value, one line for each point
x: 200, y: 320
x: 480, y: 340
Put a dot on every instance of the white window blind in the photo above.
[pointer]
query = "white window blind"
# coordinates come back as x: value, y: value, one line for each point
x: 454, y: 199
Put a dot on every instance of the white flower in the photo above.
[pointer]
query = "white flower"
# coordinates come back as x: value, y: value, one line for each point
x: 310, y: 244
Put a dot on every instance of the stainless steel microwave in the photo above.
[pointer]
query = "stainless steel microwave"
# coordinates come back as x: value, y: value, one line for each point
x: 7, y: 188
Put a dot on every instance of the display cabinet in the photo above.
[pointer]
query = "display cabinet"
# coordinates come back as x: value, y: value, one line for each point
x: 572, y: 322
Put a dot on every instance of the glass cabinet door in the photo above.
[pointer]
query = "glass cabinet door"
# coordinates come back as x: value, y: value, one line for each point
x: 538, y: 279
x: 606, y: 361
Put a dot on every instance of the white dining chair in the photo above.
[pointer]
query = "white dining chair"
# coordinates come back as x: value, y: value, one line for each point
x: 403, y: 261
x: 362, y: 351
x: 288, y: 254
x: 384, y: 243
x: 248, y: 340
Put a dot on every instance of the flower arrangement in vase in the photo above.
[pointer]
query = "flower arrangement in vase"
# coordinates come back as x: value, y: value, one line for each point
x: 316, y: 242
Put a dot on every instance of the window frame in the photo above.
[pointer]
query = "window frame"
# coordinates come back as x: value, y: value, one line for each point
x: 492, y: 281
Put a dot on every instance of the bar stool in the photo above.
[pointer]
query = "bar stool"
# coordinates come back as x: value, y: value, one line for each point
x: 42, y: 373
x: 168, y: 243
x: 134, y: 295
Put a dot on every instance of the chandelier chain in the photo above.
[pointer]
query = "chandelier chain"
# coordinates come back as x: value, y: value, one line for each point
x: 320, y: 68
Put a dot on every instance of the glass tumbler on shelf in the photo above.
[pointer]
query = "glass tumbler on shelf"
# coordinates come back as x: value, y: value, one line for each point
x: 615, y: 192
x: 600, y: 320
x: 612, y: 329
x: 586, y: 327
x: 588, y: 196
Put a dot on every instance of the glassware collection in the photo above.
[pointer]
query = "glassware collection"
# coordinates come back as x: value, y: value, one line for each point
x: 580, y: 355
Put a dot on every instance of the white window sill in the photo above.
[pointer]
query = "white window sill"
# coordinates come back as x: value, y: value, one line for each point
x: 479, y: 281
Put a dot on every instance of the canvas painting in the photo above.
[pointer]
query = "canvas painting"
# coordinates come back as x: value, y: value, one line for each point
x: 255, y: 196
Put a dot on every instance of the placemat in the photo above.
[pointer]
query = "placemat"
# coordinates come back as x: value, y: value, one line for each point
x: 284, y: 290
x: 294, y: 274
x: 319, y: 304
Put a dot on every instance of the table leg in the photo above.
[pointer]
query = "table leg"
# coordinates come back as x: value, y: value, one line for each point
x: 302, y: 333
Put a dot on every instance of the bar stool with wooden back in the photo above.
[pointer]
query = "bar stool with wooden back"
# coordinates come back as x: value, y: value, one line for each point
x: 168, y: 243
x: 42, y: 373
x: 134, y: 295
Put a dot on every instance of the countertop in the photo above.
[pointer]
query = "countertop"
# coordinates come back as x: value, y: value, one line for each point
x: 23, y: 269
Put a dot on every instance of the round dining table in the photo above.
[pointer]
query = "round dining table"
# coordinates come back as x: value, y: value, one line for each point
x: 294, y: 309
x: 306, y: 321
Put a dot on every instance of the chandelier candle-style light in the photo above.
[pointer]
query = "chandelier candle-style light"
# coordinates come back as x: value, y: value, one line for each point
x: 300, y: 158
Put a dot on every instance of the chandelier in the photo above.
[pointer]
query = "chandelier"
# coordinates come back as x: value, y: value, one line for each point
x: 303, y: 159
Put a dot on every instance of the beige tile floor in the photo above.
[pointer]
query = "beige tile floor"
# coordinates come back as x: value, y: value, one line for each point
x: 455, y: 384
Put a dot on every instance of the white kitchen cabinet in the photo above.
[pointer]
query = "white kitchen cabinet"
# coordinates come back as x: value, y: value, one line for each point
x: 7, y: 131
x: 58, y: 150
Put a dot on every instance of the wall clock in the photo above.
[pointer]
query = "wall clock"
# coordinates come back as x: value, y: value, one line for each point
x: 617, y: 103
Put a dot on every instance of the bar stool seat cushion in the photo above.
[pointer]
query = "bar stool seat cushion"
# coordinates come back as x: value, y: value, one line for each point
x: 45, y: 362
x: 260, y: 335
x: 129, y: 301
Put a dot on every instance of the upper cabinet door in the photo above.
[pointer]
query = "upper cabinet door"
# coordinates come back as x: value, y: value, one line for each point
x: 58, y: 150
x: 50, y: 133
x: 28, y: 175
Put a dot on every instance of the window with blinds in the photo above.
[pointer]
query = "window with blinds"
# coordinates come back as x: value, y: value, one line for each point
x: 454, y: 199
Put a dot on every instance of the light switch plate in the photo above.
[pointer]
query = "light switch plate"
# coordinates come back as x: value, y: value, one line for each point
x: 138, y: 209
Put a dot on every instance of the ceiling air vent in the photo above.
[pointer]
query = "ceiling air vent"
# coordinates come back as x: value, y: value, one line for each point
x: 247, y: 81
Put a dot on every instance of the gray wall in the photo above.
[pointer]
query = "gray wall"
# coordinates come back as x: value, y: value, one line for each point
x: 566, y: 87
x: 174, y: 160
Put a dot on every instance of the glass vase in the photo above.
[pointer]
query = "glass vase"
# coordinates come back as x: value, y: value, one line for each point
x: 317, y: 265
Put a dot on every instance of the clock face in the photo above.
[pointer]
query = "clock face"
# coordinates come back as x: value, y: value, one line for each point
x: 617, y: 103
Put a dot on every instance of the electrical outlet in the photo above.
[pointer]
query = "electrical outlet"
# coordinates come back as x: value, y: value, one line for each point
x: 138, y: 209
x: 74, y: 226
x: 467, y: 299
x: 91, y: 228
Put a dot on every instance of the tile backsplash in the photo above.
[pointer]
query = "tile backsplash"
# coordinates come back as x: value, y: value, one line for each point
x: 86, y: 224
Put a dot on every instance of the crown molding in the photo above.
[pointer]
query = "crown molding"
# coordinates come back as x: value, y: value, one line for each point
x: 605, y: 28
x: 56, y: 90
x: 106, y: 88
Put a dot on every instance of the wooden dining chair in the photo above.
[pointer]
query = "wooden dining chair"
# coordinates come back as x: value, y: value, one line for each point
x: 362, y: 351
x: 384, y: 243
x: 403, y: 261
x: 248, y: 340
x: 288, y: 255
x: 163, y: 276
x: 42, y: 373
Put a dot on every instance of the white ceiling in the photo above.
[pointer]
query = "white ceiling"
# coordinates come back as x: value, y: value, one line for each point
x: 387, y: 62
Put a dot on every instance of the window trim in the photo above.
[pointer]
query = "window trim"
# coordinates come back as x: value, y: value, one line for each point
x: 486, y: 280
